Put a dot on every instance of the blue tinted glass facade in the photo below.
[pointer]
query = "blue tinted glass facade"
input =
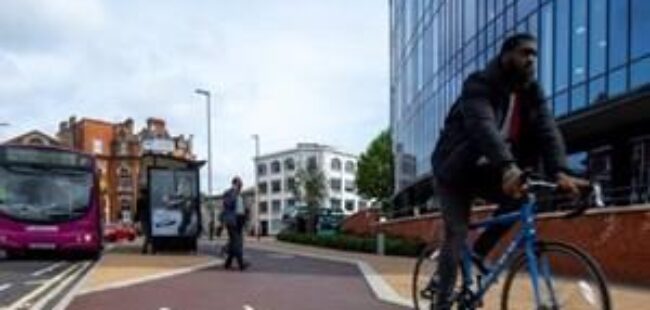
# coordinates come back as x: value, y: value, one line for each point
x: 589, y: 50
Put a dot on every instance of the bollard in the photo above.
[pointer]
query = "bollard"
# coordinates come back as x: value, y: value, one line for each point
x: 381, y: 238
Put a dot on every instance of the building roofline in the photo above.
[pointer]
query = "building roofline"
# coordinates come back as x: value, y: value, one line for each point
x: 96, y: 121
x: 51, y: 139
x: 305, y: 147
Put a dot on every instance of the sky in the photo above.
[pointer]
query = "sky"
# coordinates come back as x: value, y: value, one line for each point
x: 289, y: 70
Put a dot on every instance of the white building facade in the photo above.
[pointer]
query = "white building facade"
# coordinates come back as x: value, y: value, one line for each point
x: 276, y: 172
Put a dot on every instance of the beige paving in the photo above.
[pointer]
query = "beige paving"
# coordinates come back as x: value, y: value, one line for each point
x: 125, y: 263
x: 396, y: 271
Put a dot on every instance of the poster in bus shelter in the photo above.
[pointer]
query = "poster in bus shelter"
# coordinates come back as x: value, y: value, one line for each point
x: 174, y: 197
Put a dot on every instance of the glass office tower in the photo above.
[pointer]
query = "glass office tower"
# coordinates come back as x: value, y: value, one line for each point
x: 594, y: 64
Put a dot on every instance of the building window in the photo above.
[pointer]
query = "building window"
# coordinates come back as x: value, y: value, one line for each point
x: 336, y: 164
x: 275, y: 167
x: 562, y: 41
x: 276, y: 186
x: 35, y: 141
x: 349, y: 186
x: 312, y: 163
x: 289, y: 164
x: 597, y: 90
x: 264, y: 207
x: 261, y: 169
x: 290, y: 202
x: 640, y: 73
x: 578, y: 97
x: 276, y: 206
x: 546, y: 48
x: 349, y: 205
x: 123, y: 171
x: 579, y: 41
x: 349, y: 166
x: 291, y: 183
x: 640, y: 27
x: 123, y: 149
x: 597, y: 37
x: 335, y: 204
x: 618, y: 32
x: 98, y: 146
x: 363, y: 204
x: 335, y: 184
x: 617, y: 82
x: 263, y: 188
x: 561, y: 105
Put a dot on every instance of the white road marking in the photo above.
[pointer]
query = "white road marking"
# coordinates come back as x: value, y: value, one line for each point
x: 24, y: 301
x: 45, y: 270
x: 212, y: 263
x: 74, y: 291
x: 35, y: 282
x: 5, y: 286
x: 62, y: 284
x: 247, y: 307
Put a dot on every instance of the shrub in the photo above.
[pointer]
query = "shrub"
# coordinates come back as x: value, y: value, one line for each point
x: 392, y: 246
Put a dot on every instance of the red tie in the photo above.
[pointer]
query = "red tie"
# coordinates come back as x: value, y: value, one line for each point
x: 515, y: 120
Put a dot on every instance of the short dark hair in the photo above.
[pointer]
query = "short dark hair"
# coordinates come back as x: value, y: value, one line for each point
x: 513, y: 41
x: 236, y: 180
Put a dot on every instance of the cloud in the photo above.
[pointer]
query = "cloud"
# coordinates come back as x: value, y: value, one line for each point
x: 290, y: 71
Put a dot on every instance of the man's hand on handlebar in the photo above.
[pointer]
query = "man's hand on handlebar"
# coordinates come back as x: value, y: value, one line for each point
x: 512, y: 182
x: 571, y: 185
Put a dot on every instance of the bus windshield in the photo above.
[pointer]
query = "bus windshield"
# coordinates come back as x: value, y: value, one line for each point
x: 44, y: 195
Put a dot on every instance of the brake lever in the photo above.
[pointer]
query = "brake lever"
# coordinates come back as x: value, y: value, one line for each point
x: 593, y: 197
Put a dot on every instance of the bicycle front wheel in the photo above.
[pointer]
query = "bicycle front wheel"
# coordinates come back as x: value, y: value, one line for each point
x: 568, y: 279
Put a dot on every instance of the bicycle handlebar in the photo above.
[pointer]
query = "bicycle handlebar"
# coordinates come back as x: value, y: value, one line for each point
x: 589, y: 196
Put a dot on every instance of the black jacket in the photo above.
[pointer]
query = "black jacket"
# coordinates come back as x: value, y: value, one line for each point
x: 472, y: 130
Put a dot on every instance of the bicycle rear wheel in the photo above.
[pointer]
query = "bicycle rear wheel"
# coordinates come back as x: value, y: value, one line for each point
x: 425, y: 268
x: 568, y: 279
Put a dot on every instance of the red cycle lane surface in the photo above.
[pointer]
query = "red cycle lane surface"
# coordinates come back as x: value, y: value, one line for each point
x: 274, y: 282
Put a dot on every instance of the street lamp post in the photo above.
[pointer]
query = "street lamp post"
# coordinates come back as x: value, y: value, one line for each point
x: 256, y: 137
x: 209, y: 118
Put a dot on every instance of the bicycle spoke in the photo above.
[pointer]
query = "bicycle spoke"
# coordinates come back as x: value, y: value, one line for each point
x: 569, y: 281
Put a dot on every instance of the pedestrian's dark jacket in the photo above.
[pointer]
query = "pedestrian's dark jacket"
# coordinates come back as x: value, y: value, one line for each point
x: 472, y: 130
x: 228, y: 214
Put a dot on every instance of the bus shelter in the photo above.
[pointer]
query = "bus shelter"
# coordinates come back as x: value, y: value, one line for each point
x: 169, y: 207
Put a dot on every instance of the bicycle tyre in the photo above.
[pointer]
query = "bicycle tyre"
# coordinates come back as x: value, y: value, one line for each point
x: 416, y: 288
x: 428, y: 255
x: 581, y: 257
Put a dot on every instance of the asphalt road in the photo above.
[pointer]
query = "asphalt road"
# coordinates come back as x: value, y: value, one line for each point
x: 274, y: 281
x: 38, y: 283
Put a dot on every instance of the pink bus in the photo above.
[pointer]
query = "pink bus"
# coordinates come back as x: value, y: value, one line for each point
x: 49, y: 200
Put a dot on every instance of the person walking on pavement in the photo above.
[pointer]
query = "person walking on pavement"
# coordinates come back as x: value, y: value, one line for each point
x: 234, y: 217
x: 499, y: 125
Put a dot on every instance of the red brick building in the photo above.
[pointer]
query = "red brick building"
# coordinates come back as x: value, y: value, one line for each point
x: 118, y: 150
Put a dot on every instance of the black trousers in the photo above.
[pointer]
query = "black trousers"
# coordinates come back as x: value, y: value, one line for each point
x: 455, y: 204
x: 235, y: 242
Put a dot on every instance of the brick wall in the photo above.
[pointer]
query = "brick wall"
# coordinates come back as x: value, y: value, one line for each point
x: 362, y: 223
x: 619, y: 239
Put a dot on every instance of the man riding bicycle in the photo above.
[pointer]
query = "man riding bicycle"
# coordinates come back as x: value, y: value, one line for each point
x: 498, y: 126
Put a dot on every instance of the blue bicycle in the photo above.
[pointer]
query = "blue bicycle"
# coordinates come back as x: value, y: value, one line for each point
x: 541, y: 274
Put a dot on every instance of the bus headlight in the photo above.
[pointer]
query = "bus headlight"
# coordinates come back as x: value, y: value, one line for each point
x: 87, y: 238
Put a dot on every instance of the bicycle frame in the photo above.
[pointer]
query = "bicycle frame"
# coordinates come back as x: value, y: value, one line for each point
x: 525, y: 238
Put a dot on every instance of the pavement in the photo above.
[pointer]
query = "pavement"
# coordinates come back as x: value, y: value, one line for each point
x: 282, y: 276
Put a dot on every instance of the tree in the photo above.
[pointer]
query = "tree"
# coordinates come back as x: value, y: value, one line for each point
x: 375, y: 173
x: 309, y: 188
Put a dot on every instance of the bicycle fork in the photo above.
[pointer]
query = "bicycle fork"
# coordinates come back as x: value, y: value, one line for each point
x: 538, y: 266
